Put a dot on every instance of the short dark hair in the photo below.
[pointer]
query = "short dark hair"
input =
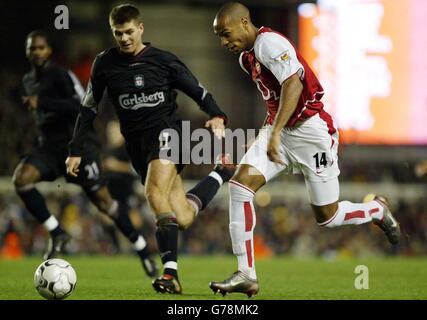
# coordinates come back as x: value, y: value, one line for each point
x: 124, y: 13
x: 38, y: 33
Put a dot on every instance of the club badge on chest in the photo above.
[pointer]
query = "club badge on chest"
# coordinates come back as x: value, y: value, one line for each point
x: 139, y: 81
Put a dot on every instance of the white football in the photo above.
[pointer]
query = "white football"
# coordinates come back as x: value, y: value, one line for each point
x: 55, y: 279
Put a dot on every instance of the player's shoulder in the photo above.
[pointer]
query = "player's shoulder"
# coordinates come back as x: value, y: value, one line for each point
x: 54, y: 67
x: 106, y: 55
x: 270, y: 42
x: 162, y: 55
x: 57, y: 70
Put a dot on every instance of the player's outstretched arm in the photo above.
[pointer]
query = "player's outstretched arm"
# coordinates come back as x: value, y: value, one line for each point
x: 88, y: 111
x: 289, y: 96
x: 185, y: 81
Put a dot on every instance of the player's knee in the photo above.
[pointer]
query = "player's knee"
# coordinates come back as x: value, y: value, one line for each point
x: 325, y: 212
x: 239, y: 192
x: 22, y: 179
x: 156, y: 197
x: 165, y: 219
x: 185, y: 220
x: 249, y: 177
x: 105, y: 204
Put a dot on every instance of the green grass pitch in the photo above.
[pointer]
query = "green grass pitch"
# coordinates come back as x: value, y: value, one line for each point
x: 121, y: 277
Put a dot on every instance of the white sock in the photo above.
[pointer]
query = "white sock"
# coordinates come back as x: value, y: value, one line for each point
x: 140, y: 243
x: 51, y: 223
x: 354, y: 213
x: 171, y: 265
x: 242, y: 224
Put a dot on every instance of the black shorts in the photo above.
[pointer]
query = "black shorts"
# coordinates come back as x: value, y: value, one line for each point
x: 50, y: 161
x: 156, y: 143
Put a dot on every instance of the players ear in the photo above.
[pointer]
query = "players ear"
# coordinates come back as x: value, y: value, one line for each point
x: 245, y: 23
x: 141, y: 27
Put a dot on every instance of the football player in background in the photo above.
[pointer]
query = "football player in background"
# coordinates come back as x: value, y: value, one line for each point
x: 119, y: 173
x: 53, y: 95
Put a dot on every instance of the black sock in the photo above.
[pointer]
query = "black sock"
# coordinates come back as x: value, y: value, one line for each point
x: 123, y: 223
x: 112, y: 233
x: 204, y: 192
x: 57, y: 231
x: 35, y: 204
x: 167, y: 240
x: 144, y: 253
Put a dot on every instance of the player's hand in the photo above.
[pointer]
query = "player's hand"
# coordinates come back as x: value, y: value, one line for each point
x: 217, y: 126
x: 72, y: 164
x: 273, y: 149
x: 32, y: 102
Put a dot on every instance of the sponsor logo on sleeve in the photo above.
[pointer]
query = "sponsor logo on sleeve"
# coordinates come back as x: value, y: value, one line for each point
x: 286, y: 57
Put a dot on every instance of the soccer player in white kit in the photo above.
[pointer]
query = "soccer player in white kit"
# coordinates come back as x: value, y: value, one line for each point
x: 298, y: 137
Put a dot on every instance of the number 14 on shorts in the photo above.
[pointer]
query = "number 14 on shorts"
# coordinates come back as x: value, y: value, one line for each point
x: 320, y: 158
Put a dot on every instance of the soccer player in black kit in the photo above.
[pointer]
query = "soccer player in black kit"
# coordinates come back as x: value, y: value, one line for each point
x: 53, y: 94
x: 140, y: 81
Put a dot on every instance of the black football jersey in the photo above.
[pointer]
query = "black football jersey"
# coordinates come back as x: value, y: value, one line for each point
x: 142, y: 89
x: 59, y: 93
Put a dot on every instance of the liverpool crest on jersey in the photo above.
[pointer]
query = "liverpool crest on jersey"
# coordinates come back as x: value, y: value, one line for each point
x: 139, y: 81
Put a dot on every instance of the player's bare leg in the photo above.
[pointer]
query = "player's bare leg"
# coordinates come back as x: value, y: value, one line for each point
x: 340, y: 213
x: 243, y: 185
x: 185, y: 211
x: 102, y: 199
x: 184, y: 206
x: 187, y: 205
x: 160, y: 177
x: 25, y: 177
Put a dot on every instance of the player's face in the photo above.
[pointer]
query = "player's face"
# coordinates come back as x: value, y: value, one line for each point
x: 38, y: 51
x: 233, y: 35
x: 128, y: 36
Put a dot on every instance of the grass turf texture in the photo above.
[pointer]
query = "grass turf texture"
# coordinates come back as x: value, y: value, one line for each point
x: 121, y: 277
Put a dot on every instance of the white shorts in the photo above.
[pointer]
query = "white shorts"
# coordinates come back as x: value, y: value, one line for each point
x: 308, y: 149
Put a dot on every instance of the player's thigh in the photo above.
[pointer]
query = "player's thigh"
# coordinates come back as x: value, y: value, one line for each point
x: 314, y: 149
x: 255, y: 168
x: 25, y: 173
x: 90, y: 177
x: 249, y: 176
x: 41, y: 165
x: 184, y: 211
x: 137, y: 152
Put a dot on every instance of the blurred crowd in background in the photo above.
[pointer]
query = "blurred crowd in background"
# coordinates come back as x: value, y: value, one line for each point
x: 284, y: 226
